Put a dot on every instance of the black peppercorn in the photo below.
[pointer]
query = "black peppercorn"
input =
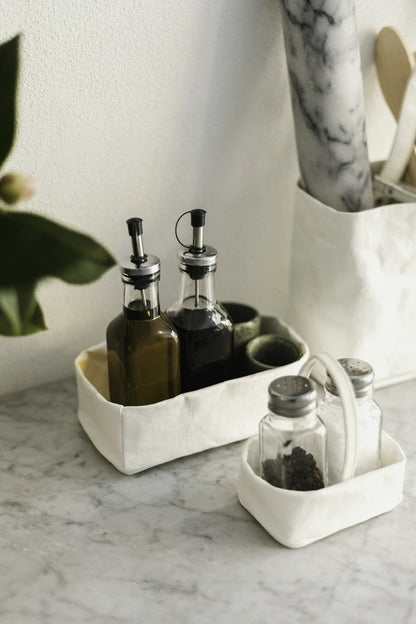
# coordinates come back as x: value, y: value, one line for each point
x: 297, y: 471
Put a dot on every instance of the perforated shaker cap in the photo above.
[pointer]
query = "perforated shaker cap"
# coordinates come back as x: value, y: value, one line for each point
x: 292, y: 396
x: 361, y: 375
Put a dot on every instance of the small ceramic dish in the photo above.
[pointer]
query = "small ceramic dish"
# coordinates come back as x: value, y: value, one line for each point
x: 270, y: 351
x: 246, y: 321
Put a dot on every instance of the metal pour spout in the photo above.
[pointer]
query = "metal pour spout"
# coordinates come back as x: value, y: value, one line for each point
x: 198, y: 223
x: 135, y: 227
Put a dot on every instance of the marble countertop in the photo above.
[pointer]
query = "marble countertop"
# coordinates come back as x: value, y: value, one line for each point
x: 83, y: 543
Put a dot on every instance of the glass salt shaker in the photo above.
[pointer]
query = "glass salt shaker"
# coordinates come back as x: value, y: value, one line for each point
x: 292, y: 437
x: 369, y: 420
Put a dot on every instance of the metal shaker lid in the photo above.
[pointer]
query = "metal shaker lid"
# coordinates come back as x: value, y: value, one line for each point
x: 360, y: 373
x: 292, y: 396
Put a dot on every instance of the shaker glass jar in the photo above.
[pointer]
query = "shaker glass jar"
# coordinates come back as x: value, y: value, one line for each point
x: 369, y: 420
x: 292, y: 436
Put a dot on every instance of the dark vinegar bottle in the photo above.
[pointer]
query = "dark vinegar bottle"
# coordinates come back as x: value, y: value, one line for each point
x: 205, y: 331
x: 142, y: 344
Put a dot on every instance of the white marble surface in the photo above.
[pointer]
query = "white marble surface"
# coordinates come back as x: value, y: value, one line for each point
x: 323, y: 59
x: 82, y: 543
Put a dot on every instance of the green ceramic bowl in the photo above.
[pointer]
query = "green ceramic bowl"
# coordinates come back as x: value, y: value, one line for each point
x: 246, y: 321
x: 270, y: 351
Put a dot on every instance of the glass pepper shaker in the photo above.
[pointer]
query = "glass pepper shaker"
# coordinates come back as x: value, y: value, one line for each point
x: 369, y: 420
x: 292, y: 437
x: 142, y: 345
x: 203, y: 325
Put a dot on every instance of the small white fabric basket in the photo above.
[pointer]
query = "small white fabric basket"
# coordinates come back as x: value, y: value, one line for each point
x: 297, y: 518
x: 137, y: 438
x: 353, y: 284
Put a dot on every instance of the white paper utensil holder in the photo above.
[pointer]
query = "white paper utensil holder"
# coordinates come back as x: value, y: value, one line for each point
x: 297, y: 519
x: 136, y: 438
x: 353, y: 284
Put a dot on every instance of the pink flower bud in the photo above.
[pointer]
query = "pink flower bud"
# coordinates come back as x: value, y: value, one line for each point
x: 14, y: 187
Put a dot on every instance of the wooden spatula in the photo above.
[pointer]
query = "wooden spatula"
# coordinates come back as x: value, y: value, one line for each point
x: 394, y: 64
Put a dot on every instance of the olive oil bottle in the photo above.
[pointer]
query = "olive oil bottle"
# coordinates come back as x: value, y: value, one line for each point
x: 142, y: 345
x: 204, y: 328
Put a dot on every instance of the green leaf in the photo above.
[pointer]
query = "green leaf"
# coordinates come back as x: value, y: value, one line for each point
x: 9, y: 53
x: 33, y: 247
x: 20, y: 313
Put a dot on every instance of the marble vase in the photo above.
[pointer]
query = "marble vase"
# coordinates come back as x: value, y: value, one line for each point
x: 323, y: 60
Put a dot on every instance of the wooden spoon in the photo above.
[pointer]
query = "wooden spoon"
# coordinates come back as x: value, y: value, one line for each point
x: 394, y: 64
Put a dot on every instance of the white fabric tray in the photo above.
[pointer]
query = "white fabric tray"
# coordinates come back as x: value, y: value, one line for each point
x: 137, y: 438
x: 296, y: 519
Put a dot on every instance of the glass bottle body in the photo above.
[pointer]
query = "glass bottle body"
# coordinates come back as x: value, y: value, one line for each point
x: 142, y: 350
x: 369, y: 429
x: 205, y: 333
x: 293, y: 451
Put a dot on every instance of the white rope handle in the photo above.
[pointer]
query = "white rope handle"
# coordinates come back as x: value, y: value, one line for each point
x: 346, y: 393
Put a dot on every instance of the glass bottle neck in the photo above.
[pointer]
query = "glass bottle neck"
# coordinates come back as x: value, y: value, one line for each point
x: 141, y: 303
x: 335, y: 399
x: 198, y: 293
x: 294, y: 424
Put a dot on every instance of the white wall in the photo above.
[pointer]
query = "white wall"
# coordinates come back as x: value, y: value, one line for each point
x: 150, y: 108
